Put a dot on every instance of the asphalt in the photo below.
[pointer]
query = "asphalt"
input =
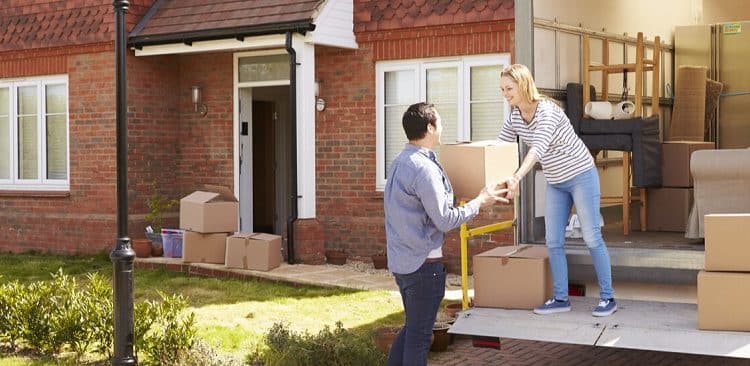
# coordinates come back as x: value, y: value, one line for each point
x: 361, y: 275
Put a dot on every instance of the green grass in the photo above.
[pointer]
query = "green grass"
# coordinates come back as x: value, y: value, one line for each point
x: 231, y: 315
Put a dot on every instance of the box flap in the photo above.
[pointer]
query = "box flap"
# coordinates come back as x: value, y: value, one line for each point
x: 200, y: 197
x: 521, y: 251
x: 263, y: 236
x: 481, y: 143
x: 242, y: 235
x: 224, y: 193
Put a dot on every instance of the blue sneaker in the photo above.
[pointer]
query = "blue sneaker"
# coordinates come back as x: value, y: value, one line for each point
x: 552, y: 306
x: 605, y: 308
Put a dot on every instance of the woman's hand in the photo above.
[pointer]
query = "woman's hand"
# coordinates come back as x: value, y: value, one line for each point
x: 513, y: 184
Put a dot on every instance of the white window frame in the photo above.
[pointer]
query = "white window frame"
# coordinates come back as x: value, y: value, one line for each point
x: 420, y: 67
x: 41, y: 183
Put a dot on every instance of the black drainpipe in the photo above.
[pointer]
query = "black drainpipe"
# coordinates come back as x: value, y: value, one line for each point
x: 294, y: 195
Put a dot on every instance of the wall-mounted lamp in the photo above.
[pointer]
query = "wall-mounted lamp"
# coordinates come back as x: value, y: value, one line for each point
x: 197, y: 102
x: 320, y: 103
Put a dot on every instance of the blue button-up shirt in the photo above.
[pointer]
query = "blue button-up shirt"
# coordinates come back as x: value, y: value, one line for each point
x: 419, y: 208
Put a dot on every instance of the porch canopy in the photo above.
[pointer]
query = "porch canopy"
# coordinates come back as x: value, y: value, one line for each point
x: 180, y: 26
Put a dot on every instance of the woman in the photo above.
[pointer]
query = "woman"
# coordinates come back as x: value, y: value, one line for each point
x: 571, y: 179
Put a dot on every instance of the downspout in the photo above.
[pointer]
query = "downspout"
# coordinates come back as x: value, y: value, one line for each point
x: 294, y: 196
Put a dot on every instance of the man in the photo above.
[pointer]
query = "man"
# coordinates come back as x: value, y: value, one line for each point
x: 419, y: 209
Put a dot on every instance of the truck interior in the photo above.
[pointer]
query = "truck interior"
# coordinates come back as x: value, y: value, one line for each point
x: 654, y: 266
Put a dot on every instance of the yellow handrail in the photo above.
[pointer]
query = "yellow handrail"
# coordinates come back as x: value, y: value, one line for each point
x: 465, y: 234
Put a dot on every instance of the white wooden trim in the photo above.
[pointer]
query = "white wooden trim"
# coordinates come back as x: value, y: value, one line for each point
x: 305, y: 127
x: 249, y: 43
x: 41, y: 182
x: 380, y: 69
x: 335, y: 25
x: 305, y: 123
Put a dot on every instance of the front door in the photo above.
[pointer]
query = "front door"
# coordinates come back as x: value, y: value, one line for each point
x: 264, y: 166
x: 264, y: 158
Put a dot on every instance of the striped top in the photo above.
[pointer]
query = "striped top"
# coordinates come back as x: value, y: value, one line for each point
x: 552, y: 139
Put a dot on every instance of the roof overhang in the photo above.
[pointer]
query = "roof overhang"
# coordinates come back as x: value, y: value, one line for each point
x: 223, y: 33
x: 245, y: 43
x: 331, y: 26
x: 262, y: 36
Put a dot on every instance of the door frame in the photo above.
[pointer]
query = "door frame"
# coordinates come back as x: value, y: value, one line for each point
x: 246, y: 198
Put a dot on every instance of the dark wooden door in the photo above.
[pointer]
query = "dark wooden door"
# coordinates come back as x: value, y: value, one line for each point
x: 264, y: 208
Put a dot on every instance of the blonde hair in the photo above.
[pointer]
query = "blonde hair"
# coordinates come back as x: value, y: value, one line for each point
x: 521, y: 75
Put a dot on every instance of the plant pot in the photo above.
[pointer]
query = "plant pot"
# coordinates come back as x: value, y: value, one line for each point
x: 452, y: 309
x: 380, y: 261
x: 384, y: 337
x: 142, y: 247
x: 156, y: 240
x: 440, y: 337
x: 336, y: 257
x: 156, y: 251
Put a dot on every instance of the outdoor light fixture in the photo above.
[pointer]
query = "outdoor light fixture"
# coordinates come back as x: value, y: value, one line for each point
x: 199, y: 106
x: 320, y: 103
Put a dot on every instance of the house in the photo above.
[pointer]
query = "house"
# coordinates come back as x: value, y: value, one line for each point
x: 293, y: 105
x: 297, y: 110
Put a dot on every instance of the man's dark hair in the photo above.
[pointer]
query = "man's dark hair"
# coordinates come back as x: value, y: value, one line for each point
x: 416, y: 118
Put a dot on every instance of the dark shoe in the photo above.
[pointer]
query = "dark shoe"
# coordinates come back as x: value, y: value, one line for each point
x: 605, y: 308
x: 552, y: 306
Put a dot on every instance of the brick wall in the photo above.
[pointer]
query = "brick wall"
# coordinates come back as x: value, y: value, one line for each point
x: 83, y: 220
x: 206, y: 143
x: 348, y: 206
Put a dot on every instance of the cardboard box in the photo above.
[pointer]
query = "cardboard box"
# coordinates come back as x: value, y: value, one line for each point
x: 256, y: 251
x: 204, y: 248
x: 675, y: 162
x: 726, y: 242
x: 512, y: 277
x: 722, y: 301
x: 472, y: 166
x: 668, y: 208
x: 212, y: 210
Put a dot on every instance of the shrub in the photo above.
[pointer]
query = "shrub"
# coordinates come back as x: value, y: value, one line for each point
x: 203, y: 355
x: 52, y: 316
x: 157, y: 205
x: 162, y: 331
x: 327, y: 348
x: 11, y: 319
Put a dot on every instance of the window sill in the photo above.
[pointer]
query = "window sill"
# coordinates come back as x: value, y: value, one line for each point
x: 34, y: 194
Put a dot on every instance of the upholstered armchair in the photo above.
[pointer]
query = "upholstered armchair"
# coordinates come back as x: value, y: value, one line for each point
x: 721, y: 184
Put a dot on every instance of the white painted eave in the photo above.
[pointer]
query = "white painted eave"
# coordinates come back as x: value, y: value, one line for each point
x: 334, y: 25
x: 232, y: 44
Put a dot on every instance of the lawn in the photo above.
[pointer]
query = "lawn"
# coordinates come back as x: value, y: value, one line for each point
x: 231, y: 315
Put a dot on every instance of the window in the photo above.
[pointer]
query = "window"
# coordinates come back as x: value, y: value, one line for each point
x: 34, y: 134
x: 263, y: 68
x: 465, y: 91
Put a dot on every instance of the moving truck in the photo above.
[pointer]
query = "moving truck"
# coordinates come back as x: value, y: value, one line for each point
x: 655, y: 273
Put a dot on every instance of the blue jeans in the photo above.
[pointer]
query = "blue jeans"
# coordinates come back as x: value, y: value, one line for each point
x: 583, y: 191
x: 421, y: 293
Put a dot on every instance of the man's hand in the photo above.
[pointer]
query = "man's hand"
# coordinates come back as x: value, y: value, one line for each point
x: 493, y: 194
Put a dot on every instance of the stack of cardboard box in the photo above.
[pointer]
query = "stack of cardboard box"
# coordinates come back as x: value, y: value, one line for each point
x: 208, y: 217
x: 669, y: 206
x: 506, y: 277
x: 256, y: 251
x: 722, y: 285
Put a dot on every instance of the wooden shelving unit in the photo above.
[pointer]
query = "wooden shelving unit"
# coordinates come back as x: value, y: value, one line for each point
x: 640, y: 67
